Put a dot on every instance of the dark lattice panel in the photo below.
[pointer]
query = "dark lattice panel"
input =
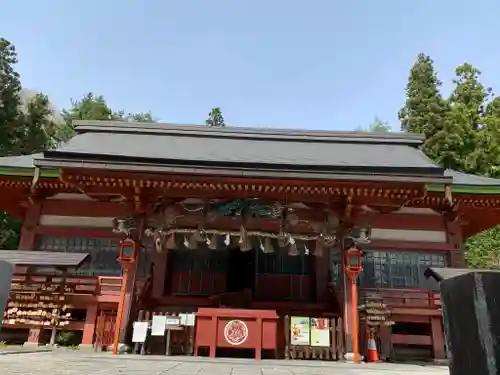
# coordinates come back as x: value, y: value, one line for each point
x: 5, y: 280
x: 281, y: 263
x: 399, y: 269
x: 471, y: 318
x: 103, y: 252
x: 196, y: 272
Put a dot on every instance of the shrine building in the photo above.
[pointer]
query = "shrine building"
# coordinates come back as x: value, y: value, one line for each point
x: 243, y: 219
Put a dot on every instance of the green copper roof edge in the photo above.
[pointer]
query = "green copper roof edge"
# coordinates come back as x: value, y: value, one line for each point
x: 466, y: 189
x: 29, y: 172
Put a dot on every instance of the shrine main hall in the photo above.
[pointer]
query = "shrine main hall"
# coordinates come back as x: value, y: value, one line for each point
x: 239, y: 218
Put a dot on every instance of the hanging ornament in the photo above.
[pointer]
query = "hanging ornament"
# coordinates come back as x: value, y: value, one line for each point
x: 199, y: 236
x: 190, y: 242
x: 170, y: 242
x: 227, y: 240
x: 268, y: 246
x: 212, y: 242
x: 244, y: 241
x: 292, y: 249
x: 318, y: 249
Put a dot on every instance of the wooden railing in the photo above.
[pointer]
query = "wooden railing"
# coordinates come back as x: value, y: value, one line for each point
x: 95, y: 285
x: 406, y: 297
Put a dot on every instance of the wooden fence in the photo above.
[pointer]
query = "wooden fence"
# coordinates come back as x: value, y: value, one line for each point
x: 175, y: 342
x: 334, y: 352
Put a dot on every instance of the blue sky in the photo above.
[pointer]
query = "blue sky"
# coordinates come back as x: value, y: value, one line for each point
x: 317, y: 64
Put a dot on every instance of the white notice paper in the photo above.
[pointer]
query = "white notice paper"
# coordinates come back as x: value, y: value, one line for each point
x: 140, y: 331
x: 190, y: 319
x: 158, y: 325
x: 187, y: 320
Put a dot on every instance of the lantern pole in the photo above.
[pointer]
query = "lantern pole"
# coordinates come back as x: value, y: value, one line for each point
x: 355, y: 328
x: 127, y: 258
x: 353, y: 267
x: 121, y: 306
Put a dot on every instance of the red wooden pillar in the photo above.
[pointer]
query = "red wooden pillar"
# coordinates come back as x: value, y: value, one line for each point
x: 347, y: 315
x: 89, y: 327
x: 437, y: 337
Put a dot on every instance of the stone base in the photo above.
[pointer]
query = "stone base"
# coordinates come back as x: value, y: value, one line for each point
x: 32, y: 345
x: 86, y: 347
x: 349, y: 357
x: 124, y: 348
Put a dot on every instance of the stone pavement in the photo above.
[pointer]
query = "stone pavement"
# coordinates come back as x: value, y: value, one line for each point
x: 79, y: 363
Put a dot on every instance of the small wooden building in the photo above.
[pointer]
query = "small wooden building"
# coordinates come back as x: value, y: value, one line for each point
x: 192, y: 193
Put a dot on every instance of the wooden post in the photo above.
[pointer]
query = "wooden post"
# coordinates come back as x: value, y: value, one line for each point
x: 287, y: 337
x: 437, y: 337
x: 89, y: 327
x: 148, y: 315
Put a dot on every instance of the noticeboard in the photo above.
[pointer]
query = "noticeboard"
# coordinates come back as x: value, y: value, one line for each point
x: 300, y: 333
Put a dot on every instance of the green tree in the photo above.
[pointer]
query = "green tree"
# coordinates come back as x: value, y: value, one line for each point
x: 215, y: 118
x: 377, y: 126
x: 425, y: 109
x: 25, y: 127
x: 92, y: 107
x: 462, y: 133
x: 482, y: 250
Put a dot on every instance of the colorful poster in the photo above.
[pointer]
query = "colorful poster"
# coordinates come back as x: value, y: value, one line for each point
x: 299, y: 330
x: 320, y: 332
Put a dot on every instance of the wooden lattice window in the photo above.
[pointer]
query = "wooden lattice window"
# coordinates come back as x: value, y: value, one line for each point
x: 103, y: 253
x: 399, y: 269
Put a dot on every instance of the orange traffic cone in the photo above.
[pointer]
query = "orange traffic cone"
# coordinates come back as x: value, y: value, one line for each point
x: 372, y: 355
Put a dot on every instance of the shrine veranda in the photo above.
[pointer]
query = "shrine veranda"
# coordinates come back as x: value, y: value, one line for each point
x: 244, y: 219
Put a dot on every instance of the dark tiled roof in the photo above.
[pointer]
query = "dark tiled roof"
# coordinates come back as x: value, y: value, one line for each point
x: 110, y: 144
x: 24, y: 161
x: 43, y: 258
x: 440, y: 274
x: 460, y: 178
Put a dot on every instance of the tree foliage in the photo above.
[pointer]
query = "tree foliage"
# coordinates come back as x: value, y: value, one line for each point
x: 25, y: 127
x: 377, y: 126
x: 215, y: 118
x: 461, y: 133
x: 29, y: 125
x: 92, y: 107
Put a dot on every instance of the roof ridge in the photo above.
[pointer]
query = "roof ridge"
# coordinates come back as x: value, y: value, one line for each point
x: 245, y: 132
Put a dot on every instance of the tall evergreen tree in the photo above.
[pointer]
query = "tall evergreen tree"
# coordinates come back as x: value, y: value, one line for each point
x: 424, y: 106
x: 25, y: 127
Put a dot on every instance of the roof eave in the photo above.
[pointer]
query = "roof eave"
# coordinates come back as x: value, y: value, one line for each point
x: 466, y: 189
x: 28, y: 172
x: 239, y: 172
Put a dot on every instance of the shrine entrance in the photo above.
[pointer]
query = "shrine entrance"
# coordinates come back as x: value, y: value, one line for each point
x: 240, y: 270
